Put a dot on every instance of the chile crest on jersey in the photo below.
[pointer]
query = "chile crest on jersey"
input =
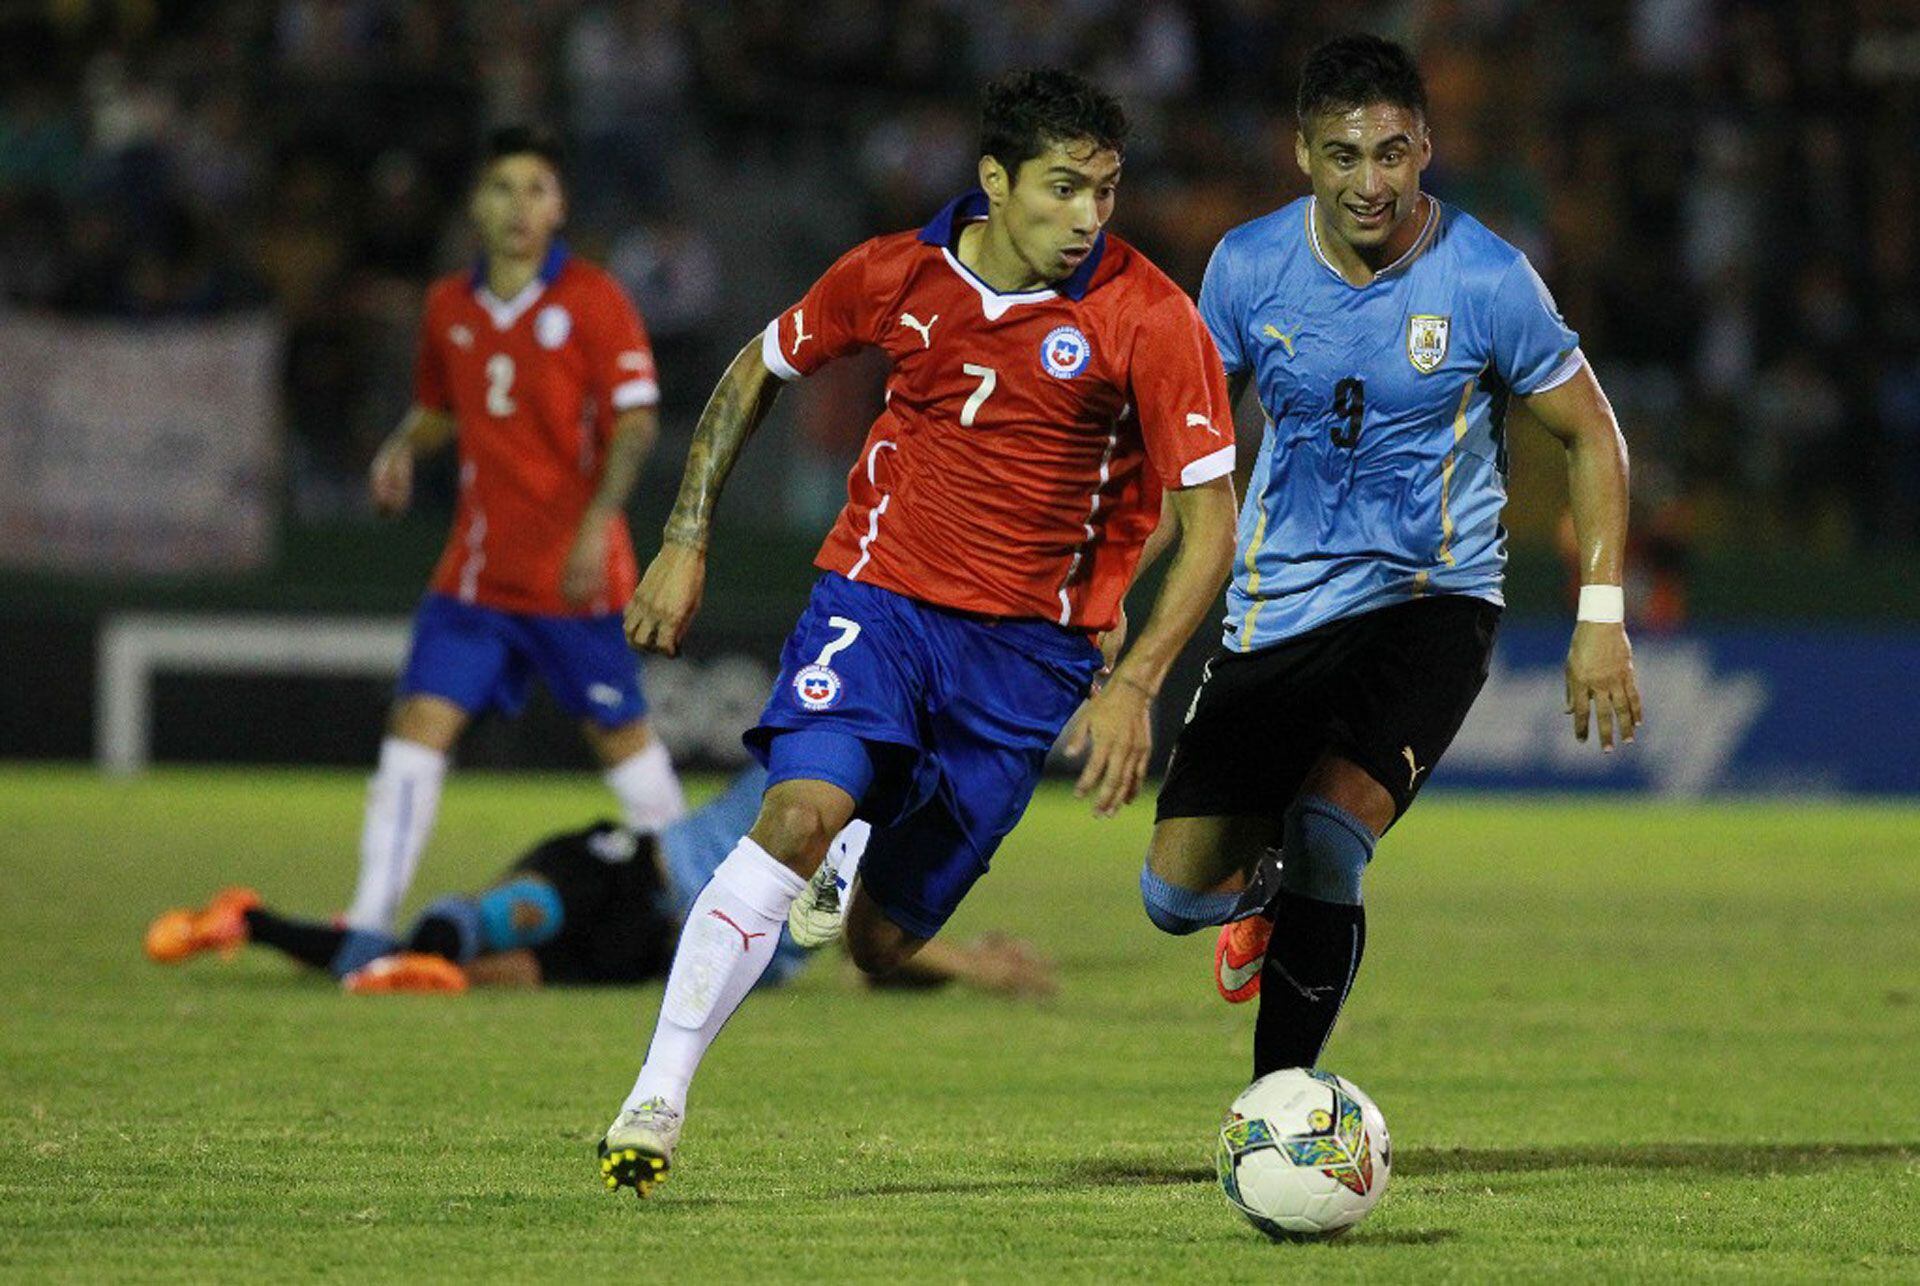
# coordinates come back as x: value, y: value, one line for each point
x: 1065, y: 352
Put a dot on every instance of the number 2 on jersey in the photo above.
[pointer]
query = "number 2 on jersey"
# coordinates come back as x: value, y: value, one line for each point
x: 988, y: 377
x: 500, y: 385
x: 1350, y: 404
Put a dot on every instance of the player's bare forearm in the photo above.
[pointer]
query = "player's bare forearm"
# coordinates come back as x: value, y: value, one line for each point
x: 1579, y: 415
x: 518, y: 968
x: 1164, y: 535
x: 1601, y: 687
x: 668, y: 597
x: 634, y: 435
x: 1205, y: 520
x: 1160, y: 539
x: 422, y: 430
x: 1114, y: 727
x: 739, y: 403
x: 1005, y: 966
x: 390, y: 477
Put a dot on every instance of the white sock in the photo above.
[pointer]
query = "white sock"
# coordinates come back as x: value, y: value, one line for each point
x: 648, y: 791
x: 402, y: 799
x: 729, y: 937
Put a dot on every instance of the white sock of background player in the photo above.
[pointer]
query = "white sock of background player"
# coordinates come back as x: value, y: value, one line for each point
x: 648, y: 791
x: 403, y: 797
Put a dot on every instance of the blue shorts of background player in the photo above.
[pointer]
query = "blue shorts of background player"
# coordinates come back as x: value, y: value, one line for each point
x: 482, y: 659
x: 936, y: 722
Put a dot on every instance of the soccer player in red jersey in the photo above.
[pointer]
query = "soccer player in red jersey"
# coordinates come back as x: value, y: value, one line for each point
x: 1048, y: 387
x: 537, y: 366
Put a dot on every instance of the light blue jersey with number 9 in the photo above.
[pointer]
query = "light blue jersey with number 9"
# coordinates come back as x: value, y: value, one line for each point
x: 1382, y: 471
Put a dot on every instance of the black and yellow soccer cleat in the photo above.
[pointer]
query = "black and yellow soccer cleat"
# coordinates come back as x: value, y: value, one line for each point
x: 637, y: 1152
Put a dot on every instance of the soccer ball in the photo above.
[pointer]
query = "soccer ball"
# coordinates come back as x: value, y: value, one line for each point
x: 1303, y: 1154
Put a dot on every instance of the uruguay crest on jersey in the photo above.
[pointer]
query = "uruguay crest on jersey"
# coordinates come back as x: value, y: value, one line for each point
x: 1427, y: 341
x: 1382, y: 475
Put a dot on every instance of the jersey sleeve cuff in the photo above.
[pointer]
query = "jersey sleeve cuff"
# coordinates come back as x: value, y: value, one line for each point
x: 770, y: 354
x: 641, y: 392
x: 1216, y: 464
x: 1561, y: 373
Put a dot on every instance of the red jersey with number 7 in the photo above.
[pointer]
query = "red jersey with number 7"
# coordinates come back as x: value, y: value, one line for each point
x: 1017, y: 467
x: 535, y: 384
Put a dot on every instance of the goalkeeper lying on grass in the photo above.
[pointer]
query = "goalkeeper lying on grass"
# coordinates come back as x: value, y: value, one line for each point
x: 596, y: 906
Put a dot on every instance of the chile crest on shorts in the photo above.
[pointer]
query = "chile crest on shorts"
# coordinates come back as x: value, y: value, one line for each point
x: 1065, y: 352
x: 818, y: 687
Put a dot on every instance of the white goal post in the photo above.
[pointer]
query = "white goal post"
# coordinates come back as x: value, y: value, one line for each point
x: 132, y: 648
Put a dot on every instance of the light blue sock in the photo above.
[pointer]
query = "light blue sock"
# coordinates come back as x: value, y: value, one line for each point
x: 462, y: 915
x: 1177, y: 910
x: 520, y: 913
x: 1327, y: 850
x: 360, y: 947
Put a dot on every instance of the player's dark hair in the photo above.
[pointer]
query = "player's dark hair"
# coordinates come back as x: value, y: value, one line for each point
x: 525, y: 140
x: 1354, y: 71
x: 1023, y: 113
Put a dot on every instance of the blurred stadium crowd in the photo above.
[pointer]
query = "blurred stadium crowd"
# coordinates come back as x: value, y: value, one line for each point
x: 1721, y: 194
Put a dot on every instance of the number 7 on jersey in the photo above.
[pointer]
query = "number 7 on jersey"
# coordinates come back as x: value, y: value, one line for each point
x: 988, y: 377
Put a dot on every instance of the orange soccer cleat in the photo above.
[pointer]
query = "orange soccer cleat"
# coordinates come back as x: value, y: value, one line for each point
x: 1238, y: 955
x: 220, y: 926
x: 417, y: 971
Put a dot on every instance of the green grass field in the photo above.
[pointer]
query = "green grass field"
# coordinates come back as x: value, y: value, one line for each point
x: 1613, y: 1040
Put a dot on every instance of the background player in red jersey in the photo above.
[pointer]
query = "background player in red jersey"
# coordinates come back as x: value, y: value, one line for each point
x: 1048, y: 386
x: 539, y: 368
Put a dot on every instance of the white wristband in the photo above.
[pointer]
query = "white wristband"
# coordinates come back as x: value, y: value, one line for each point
x: 1602, y: 604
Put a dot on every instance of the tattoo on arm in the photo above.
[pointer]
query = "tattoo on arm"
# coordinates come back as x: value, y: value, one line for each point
x: 739, y: 403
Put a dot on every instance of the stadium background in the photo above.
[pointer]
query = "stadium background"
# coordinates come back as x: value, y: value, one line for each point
x: 216, y: 220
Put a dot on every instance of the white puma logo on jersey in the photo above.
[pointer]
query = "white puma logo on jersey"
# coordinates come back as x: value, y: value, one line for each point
x: 1194, y: 418
x: 800, y: 335
x: 1414, y: 766
x: 925, y: 328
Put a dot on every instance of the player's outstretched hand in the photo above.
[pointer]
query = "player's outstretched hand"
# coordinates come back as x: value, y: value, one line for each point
x: 1011, y: 967
x: 669, y: 595
x: 1600, y: 684
x: 586, y: 568
x: 1115, y: 730
x: 390, y: 479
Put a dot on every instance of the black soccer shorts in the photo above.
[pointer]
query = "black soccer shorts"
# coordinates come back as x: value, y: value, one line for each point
x: 617, y: 922
x: 1387, y: 689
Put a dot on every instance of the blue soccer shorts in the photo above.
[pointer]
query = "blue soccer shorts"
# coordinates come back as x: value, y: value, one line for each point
x: 482, y: 659
x: 958, y: 714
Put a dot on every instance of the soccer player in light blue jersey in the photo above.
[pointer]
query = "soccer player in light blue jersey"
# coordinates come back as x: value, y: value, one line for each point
x: 1387, y: 335
x: 602, y: 905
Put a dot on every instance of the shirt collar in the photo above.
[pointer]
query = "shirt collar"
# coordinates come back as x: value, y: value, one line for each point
x: 557, y: 256
x: 944, y: 229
